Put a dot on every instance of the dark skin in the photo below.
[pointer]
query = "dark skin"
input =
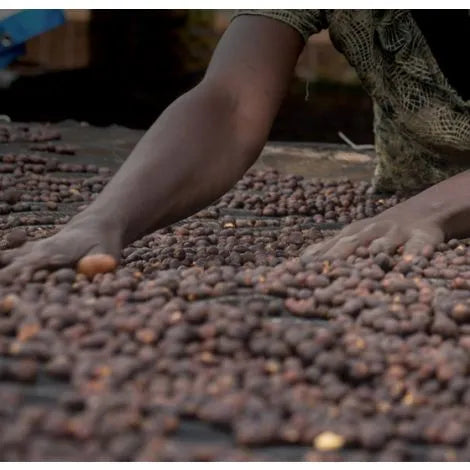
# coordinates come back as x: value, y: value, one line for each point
x: 205, y: 141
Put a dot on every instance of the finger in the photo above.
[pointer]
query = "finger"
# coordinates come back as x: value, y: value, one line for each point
x: 325, y: 245
x: 313, y: 250
x: 321, y: 249
x: 56, y: 261
x: 388, y: 243
x: 63, y: 255
x: 25, y: 273
x: 421, y: 238
x: 343, y: 248
x: 7, y: 256
x: 347, y: 245
x: 25, y: 264
x: 11, y: 272
x: 355, y: 227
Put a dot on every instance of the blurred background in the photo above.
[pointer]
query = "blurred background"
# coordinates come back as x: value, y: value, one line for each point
x: 124, y: 67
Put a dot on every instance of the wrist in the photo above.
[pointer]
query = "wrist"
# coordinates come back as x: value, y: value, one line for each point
x: 449, y: 212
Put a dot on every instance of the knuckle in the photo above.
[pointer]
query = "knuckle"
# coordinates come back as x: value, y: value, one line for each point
x: 348, y: 239
x: 377, y: 244
x: 358, y: 225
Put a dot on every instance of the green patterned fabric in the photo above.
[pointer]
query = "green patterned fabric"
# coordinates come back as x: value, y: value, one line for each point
x: 421, y: 124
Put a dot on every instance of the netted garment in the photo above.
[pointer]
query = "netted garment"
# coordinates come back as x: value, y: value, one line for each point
x: 421, y: 124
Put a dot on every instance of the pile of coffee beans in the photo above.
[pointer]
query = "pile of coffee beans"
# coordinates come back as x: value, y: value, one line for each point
x: 220, y: 320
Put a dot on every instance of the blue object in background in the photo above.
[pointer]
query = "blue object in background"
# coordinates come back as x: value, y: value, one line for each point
x: 20, y: 26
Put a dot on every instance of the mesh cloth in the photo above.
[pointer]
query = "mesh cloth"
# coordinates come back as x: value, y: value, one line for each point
x: 421, y: 124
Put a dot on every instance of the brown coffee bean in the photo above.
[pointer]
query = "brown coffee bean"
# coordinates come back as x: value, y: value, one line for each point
x: 59, y: 367
x: 94, y: 264
x: 444, y: 326
x: 216, y: 318
x: 24, y: 370
x: 461, y: 312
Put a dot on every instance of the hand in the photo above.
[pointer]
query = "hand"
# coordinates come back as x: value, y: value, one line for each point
x: 439, y: 213
x: 83, y: 241
x: 386, y: 232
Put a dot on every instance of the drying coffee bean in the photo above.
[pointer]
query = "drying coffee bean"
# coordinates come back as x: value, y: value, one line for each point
x: 221, y: 318
x: 94, y: 264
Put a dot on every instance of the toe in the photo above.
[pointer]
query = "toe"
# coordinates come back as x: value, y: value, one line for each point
x: 422, y: 239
